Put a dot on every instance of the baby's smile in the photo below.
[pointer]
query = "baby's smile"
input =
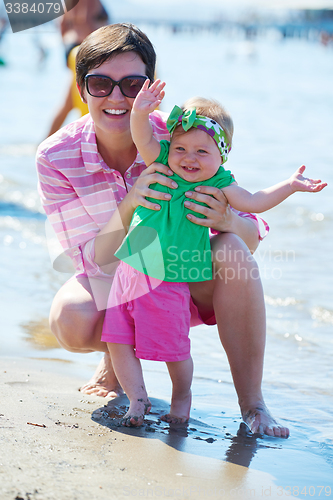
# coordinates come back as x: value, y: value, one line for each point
x: 189, y: 169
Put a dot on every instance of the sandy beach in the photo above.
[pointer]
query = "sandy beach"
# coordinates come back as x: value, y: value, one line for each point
x: 53, y: 448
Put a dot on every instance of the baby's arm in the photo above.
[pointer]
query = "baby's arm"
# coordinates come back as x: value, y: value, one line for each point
x: 268, y: 198
x: 145, y: 102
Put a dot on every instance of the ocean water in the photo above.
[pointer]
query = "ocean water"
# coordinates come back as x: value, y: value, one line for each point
x: 280, y: 95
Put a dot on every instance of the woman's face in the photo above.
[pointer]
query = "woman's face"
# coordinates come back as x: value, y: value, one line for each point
x: 111, y: 114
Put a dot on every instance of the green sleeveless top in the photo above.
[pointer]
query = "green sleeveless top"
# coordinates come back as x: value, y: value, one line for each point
x: 164, y: 244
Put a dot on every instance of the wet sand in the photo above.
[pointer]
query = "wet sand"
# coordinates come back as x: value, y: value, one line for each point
x: 58, y: 444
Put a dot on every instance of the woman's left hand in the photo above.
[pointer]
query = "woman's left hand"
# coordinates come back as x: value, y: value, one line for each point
x: 217, y: 213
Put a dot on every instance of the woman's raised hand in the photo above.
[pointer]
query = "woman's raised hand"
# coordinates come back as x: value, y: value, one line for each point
x: 140, y: 190
x: 149, y: 98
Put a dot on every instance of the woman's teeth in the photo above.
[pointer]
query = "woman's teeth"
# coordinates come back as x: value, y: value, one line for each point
x: 115, y: 111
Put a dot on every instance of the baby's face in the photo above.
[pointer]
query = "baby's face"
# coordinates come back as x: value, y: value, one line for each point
x: 194, y: 155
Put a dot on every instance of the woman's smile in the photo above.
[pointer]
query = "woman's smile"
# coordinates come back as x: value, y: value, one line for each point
x: 115, y: 112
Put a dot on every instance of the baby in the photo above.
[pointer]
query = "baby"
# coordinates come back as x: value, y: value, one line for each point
x: 149, y: 303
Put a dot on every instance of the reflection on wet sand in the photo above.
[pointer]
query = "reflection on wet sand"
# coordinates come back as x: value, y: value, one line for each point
x: 238, y: 449
x: 38, y: 334
x: 243, y: 447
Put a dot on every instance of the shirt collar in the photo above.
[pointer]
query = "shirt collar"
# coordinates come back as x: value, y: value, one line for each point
x: 92, y: 159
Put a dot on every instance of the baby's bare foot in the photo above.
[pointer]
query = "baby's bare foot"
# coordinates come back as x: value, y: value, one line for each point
x: 179, y: 410
x: 104, y: 383
x: 173, y: 419
x: 260, y: 421
x: 136, y: 413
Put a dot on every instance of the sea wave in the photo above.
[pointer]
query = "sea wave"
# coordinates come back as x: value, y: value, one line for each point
x: 281, y: 301
x: 322, y: 315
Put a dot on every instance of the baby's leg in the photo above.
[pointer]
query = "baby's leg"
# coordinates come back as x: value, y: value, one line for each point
x: 129, y: 373
x: 181, y: 373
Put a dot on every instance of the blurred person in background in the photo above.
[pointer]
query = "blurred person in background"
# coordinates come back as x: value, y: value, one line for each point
x: 3, y: 26
x: 86, y: 17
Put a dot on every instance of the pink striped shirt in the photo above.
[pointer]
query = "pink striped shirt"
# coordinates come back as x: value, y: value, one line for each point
x: 79, y: 192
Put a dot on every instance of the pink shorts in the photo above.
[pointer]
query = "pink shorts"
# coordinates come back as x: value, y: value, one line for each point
x: 154, y: 317
x: 196, y: 319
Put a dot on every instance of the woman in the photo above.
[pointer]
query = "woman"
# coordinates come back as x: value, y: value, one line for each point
x: 91, y: 180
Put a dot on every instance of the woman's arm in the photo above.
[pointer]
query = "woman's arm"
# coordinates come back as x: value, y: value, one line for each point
x: 245, y: 228
x: 110, y: 237
x: 76, y: 230
x: 73, y: 226
x: 220, y: 216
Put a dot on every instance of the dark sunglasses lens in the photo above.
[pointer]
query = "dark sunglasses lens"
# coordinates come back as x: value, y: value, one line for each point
x: 131, y: 86
x: 99, y: 86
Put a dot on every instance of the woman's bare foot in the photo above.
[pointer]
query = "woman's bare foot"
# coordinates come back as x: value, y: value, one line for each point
x: 260, y: 421
x: 136, y: 413
x: 104, y: 382
x: 179, y: 410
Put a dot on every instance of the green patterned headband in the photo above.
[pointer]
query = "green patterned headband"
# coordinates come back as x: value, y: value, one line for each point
x: 189, y: 119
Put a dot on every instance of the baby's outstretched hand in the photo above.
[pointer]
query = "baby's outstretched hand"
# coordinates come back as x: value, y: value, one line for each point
x: 300, y: 183
x: 149, y: 98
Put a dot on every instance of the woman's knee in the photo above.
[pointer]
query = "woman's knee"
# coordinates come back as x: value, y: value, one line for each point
x: 74, y: 323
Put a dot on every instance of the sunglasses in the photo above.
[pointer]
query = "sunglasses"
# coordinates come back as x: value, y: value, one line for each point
x: 102, y: 86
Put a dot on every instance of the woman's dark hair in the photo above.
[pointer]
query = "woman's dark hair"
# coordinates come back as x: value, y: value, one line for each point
x: 109, y: 41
